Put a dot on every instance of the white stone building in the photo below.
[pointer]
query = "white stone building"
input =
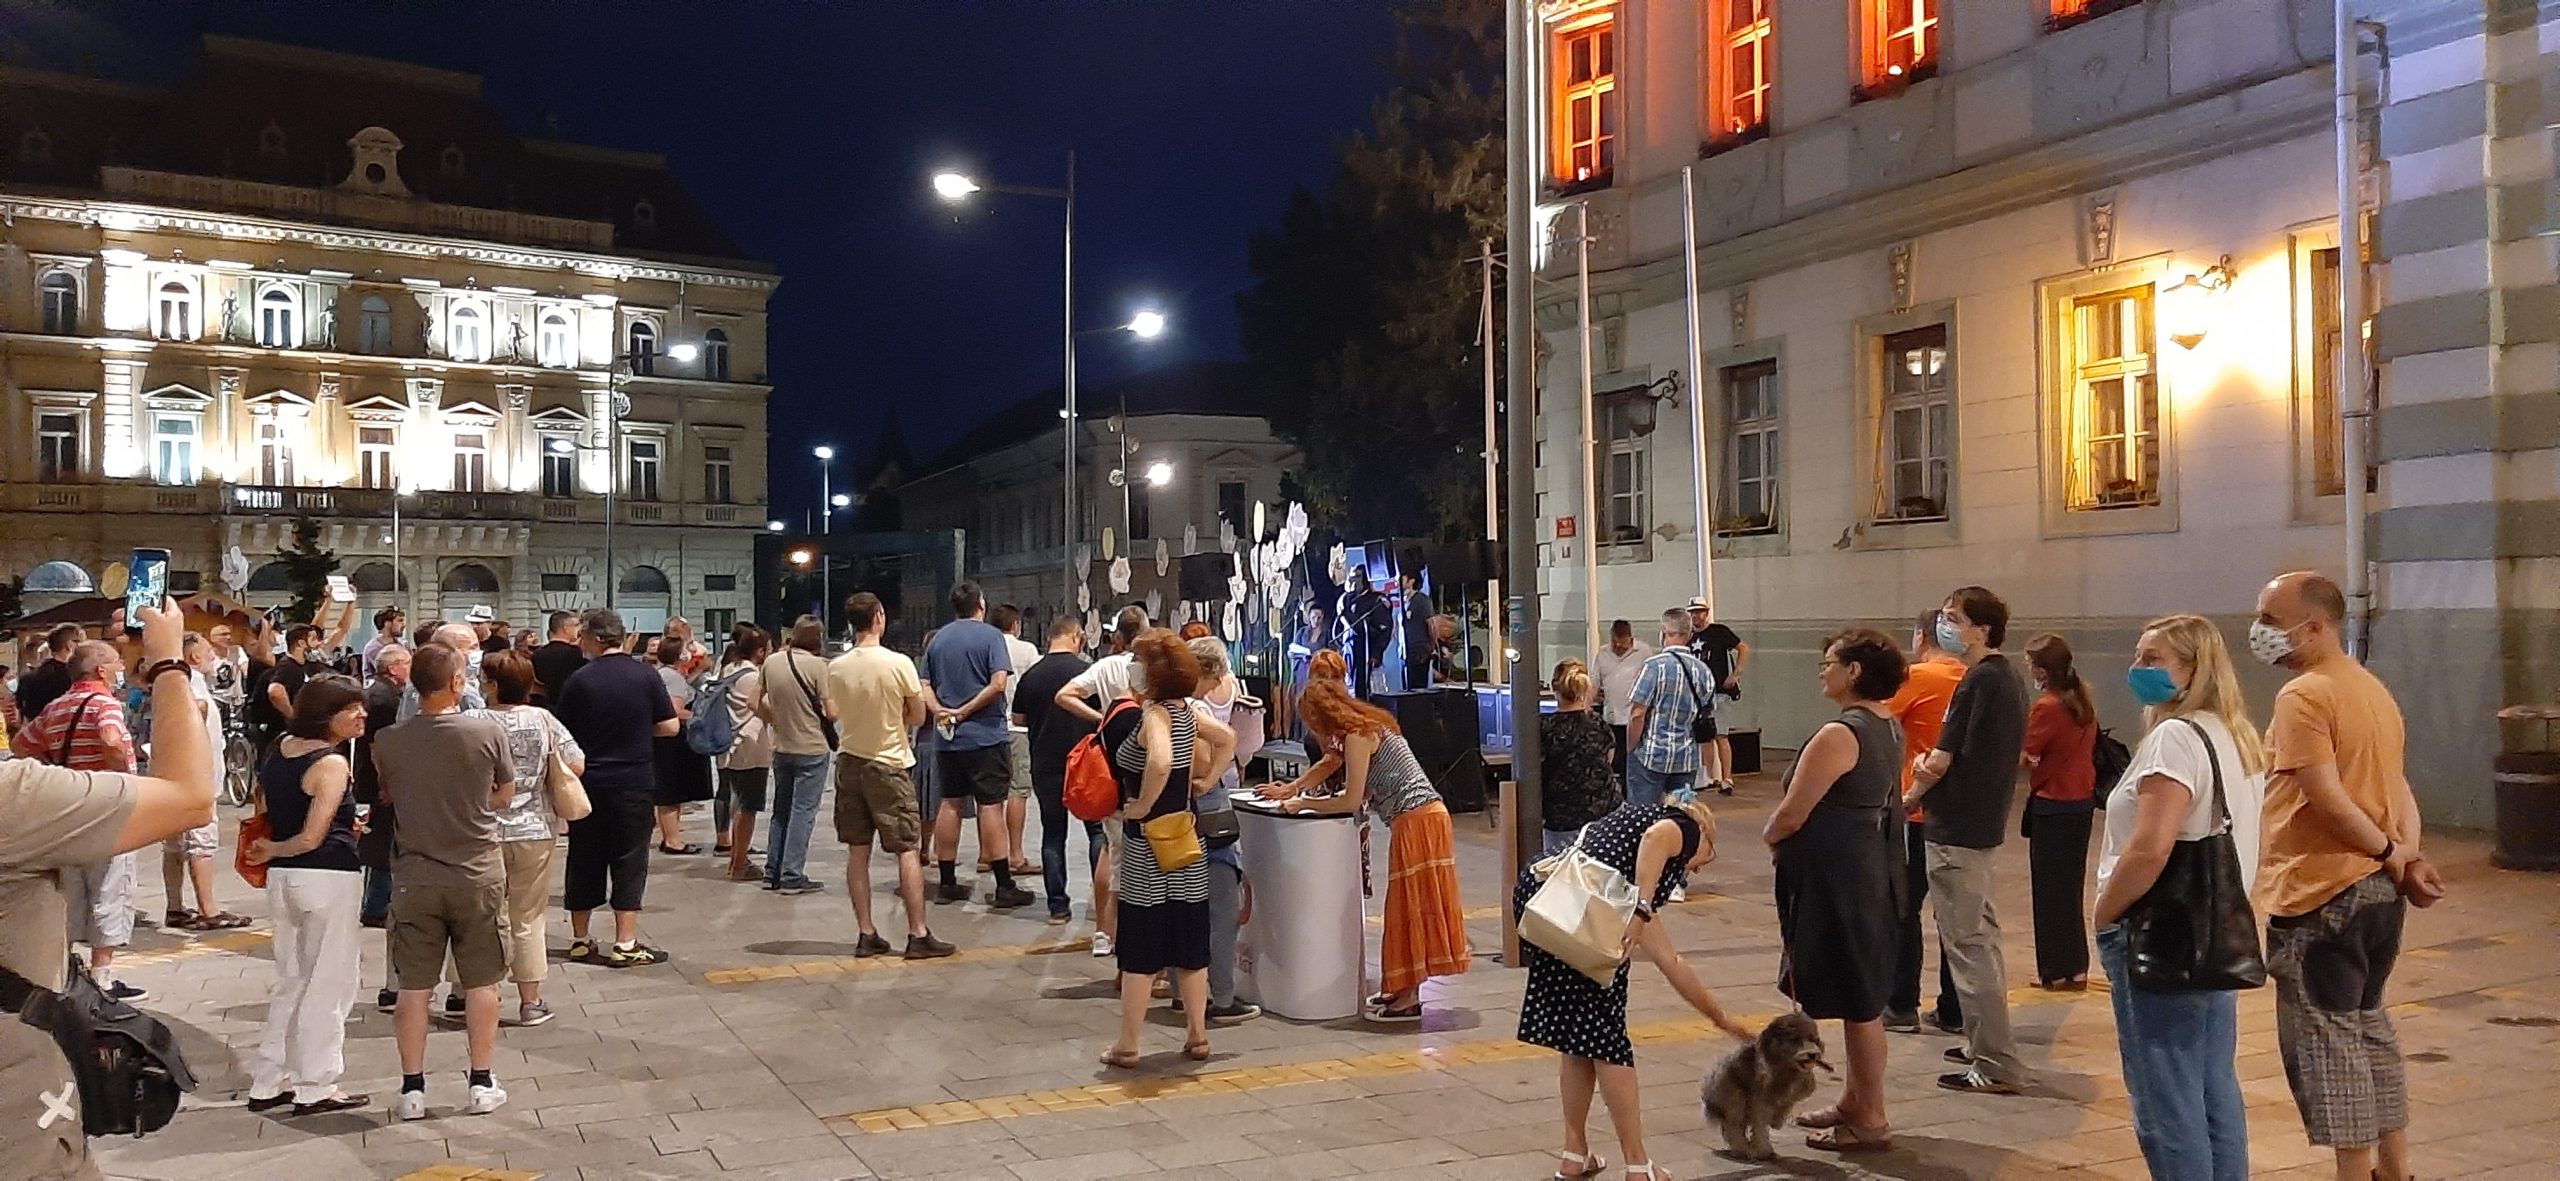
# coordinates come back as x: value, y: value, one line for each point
x: 306, y: 284
x: 1938, y: 248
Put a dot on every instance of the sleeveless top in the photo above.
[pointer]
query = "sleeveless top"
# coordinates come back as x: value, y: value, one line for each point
x: 289, y: 808
x: 1129, y: 758
x: 1397, y: 784
x: 1876, y: 780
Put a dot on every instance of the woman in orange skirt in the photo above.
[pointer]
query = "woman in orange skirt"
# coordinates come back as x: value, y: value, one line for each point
x: 1426, y: 924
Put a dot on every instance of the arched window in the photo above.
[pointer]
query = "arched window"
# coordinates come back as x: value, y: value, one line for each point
x: 644, y: 349
x: 553, y: 343
x: 59, y: 578
x: 470, y: 578
x: 373, y: 325
x: 277, y: 326
x: 715, y: 355
x: 176, y: 308
x: 469, y: 340
x: 59, y: 295
x: 645, y: 580
x: 376, y: 578
x: 269, y: 577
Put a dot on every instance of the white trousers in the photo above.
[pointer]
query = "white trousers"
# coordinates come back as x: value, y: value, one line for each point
x: 99, y: 901
x: 319, y: 959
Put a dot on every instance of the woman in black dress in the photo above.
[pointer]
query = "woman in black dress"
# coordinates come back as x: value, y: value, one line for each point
x: 1657, y: 846
x: 1837, y: 841
x: 1574, y: 749
x: 1164, y: 754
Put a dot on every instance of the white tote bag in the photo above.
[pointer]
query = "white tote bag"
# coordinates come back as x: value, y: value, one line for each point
x: 1580, y: 914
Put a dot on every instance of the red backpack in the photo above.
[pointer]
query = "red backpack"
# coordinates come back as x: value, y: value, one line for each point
x: 1093, y: 786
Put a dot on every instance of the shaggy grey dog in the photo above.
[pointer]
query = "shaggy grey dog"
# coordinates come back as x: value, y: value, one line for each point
x: 1757, y: 1087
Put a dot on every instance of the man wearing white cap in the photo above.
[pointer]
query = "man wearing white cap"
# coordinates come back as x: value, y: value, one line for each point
x: 1726, y: 656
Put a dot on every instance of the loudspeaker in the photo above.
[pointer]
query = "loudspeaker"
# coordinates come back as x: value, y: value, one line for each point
x: 1440, y: 726
x: 1203, y: 577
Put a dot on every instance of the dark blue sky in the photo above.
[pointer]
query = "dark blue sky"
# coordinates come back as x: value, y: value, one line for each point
x: 809, y: 130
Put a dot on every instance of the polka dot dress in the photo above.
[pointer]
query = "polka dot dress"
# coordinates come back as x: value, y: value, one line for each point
x: 1564, y: 1010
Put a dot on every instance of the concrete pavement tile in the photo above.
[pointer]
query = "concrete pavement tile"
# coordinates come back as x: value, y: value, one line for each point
x: 753, y: 1123
x: 1118, y: 1162
x: 686, y: 1164
x: 754, y: 1152
x: 901, y: 1156
x: 1402, y: 1154
x: 1200, y: 1150
x: 1136, y: 1137
x: 624, y: 1129
x: 1302, y: 1166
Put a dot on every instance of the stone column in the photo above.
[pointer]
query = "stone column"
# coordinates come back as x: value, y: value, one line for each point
x: 2466, y: 337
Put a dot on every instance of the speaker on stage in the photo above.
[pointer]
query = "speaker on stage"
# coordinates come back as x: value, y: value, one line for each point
x: 1440, y: 726
x: 1203, y: 577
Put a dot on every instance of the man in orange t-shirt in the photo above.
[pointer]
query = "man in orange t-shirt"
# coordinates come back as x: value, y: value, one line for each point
x: 2340, y: 866
x: 1921, y: 707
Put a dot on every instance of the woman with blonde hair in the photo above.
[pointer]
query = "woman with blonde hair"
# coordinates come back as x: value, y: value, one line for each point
x: 1426, y: 924
x: 2200, y: 769
x: 1574, y: 749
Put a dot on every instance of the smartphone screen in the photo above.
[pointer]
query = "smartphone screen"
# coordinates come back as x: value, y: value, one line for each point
x: 147, y: 586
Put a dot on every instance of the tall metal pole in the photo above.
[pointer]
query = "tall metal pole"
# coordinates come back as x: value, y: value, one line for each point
x: 826, y: 555
x: 399, y: 592
x: 1067, y: 531
x: 1488, y: 328
x: 612, y: 471
x: 1689, y: 297
x: 1519, y: 336
x: 1591, y: 524
x: 1128, y: 515
x: 2353, y: 409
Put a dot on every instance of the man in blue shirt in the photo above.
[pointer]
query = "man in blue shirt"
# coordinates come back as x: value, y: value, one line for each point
x: 965, y: 672
x: 1663, y: 712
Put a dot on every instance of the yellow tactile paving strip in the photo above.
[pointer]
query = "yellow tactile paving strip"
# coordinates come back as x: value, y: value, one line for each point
x: 236, y: 941
x: 1442, y: 1057
x: 463, y: 1172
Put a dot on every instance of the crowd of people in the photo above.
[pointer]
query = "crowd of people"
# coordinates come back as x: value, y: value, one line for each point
x: 1904, y: 798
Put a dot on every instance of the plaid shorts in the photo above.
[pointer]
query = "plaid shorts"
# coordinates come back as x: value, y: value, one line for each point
x: 2341, y: 1056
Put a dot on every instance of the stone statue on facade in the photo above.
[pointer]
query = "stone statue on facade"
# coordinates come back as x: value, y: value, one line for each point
x: 329, y: 325
x: 230, y: 317
x: 515, y: 339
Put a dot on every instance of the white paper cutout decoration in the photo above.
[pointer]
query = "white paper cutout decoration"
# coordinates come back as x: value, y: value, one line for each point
x: 1092, y: 626
x: 1181, y: 615
x: 1226, y: 535
x: 1110, y: 543
x: 1084, y: 558
x: 1119, y: 576
x: 1164, y: 560
x: 1235, y: 588
x: 1084, y: 596
x: 1337, y: 564
x: 1260, y: 519
x: 1232, y: 626
x: 1191, y: 538
x: 1297, y: 529
x: 1155, y: 604
x: 112, y: 581
x: 235, y: 571
x: 1275, y: 621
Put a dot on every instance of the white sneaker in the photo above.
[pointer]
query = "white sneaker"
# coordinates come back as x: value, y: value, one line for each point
x: 1101, y: 946
x: 486, y: 1099
x: 1679, y: 893
x: 410, y: 1105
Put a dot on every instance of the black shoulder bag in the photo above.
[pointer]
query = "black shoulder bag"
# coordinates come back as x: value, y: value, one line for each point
x: 1702, y: 725
x: 2194, y: 931
x: 817, y: 708
x: 126, y: 1062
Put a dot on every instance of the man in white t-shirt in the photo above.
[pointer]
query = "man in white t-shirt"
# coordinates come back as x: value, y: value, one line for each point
x: 1112, y: 677
x: 1616, y: 667
x: 1007, y: 618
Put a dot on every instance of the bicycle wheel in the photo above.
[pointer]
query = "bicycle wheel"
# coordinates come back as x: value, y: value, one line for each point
x: 235, y: 772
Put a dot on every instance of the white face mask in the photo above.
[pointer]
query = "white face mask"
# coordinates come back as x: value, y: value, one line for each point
x: 2269, y: 643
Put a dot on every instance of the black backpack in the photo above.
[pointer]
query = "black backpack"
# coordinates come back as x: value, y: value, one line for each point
x: 126, y: 1062
x: 2111, y: 758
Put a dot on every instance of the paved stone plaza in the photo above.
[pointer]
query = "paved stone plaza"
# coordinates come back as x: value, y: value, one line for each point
x: 766, y: 1050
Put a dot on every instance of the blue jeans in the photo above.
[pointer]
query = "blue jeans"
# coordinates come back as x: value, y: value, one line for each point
x: 2179, y: 1049
x: 798, y: 782
x: 377, y: 894
x: 1648, y: 786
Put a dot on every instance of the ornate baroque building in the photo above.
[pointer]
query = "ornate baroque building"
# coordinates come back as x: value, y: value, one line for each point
x: 302, y: 284
x: 2047, y: 295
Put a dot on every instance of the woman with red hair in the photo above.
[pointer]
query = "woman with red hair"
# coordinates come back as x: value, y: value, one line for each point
x: 1426, y: 926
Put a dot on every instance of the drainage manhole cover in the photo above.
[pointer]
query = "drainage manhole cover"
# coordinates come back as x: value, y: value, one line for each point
x: 2528, y: 1022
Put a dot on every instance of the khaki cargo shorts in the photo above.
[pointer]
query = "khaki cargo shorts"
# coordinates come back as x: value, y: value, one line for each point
x: 876, y: 804
x: 429, y: 920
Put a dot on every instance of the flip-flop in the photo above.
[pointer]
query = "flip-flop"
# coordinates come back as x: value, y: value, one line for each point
x: 1820, y: 1118
x: 1406, y: 1016
x: 1120, y: 1059
x: 1848, y: 1137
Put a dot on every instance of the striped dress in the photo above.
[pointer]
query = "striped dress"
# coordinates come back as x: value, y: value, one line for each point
x: 1164, y: 917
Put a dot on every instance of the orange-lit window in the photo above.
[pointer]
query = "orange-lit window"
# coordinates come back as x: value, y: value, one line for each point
x: 2064, y: 13
x: 1586, y: 100
x: 1741, y: 63
x: 1902, y: 42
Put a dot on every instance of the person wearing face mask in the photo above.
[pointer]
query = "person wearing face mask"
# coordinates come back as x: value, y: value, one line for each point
x: 2179, y: 1047
x: 2062, y: 776
x: 2342, y: 867
x: 1968, y: 781
x: 84, y: 729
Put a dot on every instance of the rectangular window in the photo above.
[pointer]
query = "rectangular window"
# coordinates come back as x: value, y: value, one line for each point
x: 176, y: 307
x: 1741, y: 61
x: 60, y: 304
x: 716, y: 467
x: 376, y: 449
x: 1751, y: 453
x: 275, y: 454
x: 1235, y: 504
x: 2114, y: 424
x: 719, y: 582
x: 642, y: 483
x: 57, y: 447
x: 470, y: 461
x: 559, y: 469
x: 559, y: 584
x: 2327, y: 311
x: 1585, y: 69
x: 373, y: 325
x: 1901, y: 39
x: 173, y: 449
x: 718, y: 622
x: 1625, y: 484
x: 1139, y: 526
x: 553, y: 345
x: 1916, y: 426
x: 2063, y: 14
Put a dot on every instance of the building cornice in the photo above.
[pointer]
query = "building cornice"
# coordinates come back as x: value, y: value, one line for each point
x: 130, y: 217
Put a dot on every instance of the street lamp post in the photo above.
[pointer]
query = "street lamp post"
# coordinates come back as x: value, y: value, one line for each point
x: 615, y: 406
x: 826, y: 456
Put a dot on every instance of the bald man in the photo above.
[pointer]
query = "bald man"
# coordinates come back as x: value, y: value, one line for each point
x: 463, y: 638
x: 2341, y: 866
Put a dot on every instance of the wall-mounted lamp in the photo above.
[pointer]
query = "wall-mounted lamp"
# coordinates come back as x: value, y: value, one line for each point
x: 1642, y: 411
x: 2186, y: 310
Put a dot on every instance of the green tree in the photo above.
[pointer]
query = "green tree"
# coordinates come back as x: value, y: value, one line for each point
x: 307, y: 568
x: 1362, y: 327
x: 13, y: 604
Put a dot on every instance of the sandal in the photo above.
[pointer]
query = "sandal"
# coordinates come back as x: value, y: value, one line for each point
x: 1848, y: 1137
x: 1120, y: 1059
x: 338, y: 1102
x: 1405, y: 1016
x: 1647, y: 1172
x: 1196, y: 1051
x: 178, y: 920
x: 1584, y: 1166
x: 225, y: 921
x: 683, y: 851
x: 1827, y: 1117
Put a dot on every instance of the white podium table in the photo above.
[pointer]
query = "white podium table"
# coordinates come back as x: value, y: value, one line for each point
x: 1300, y: 956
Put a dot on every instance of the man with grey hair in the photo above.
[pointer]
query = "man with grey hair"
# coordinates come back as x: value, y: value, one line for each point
x: 84, y: 730
x: 462, y: 638
x: 1662, y: 716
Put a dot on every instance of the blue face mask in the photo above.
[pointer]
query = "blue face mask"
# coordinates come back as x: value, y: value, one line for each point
x: 2151, y: 686
x: 1949, y: 638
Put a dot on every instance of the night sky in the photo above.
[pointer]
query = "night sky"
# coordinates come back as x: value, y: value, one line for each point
x: 810, y: 132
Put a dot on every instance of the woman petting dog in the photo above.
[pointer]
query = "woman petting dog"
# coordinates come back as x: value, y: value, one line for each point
x: 1657, y: 846
x: 1837, y: 840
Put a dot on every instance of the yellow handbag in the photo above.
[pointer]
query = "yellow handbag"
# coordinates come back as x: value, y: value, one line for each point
x: 1175, y: 840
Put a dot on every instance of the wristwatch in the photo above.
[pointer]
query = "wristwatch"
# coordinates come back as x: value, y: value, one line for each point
x: 1644, y: 910
x: 153, y: 672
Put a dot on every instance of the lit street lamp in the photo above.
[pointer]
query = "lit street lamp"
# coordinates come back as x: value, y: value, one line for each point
x: 827, y: 502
